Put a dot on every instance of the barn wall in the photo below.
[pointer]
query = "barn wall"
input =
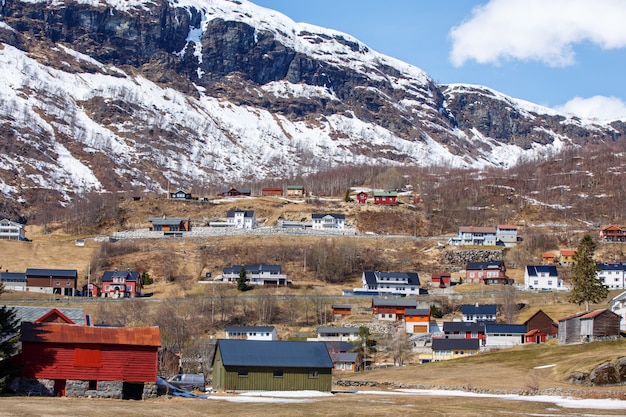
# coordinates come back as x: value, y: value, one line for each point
x: 90, y: 362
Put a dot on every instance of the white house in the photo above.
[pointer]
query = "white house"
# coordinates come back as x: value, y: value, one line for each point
x: 328, y: 221
x: 470, y: 235
x: 11, y: 230
x: 241, y: 219
x: 507, y: 234
x: 612, y: 275
x: 618, y: 306
x: 336, y: 334
x: 399, y: 283
x: 251, y: 332
x: 260, y: 274
x: 503, y: 335
x: 542, y: 277
x: 479, y: 312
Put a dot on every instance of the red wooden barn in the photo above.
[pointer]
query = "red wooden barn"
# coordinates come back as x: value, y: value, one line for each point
x: 361, y: 197
x: 81, y: 361
x: 535, y: 336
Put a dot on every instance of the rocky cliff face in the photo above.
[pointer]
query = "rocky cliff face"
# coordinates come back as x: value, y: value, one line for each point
x: 108, y: 96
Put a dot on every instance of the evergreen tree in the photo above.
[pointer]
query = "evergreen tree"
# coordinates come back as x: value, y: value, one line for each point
x: 347, y: 198
x: 587, y: 287
x: 9, y: 338
x: 242, y: 282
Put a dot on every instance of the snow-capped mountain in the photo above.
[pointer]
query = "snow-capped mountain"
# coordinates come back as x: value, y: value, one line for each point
x: 118, y: 94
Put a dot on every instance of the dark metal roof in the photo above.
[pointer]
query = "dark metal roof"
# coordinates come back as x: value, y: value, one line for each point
x: 167, y: 220
x: 253, y: 269
x: 46, y: 273
x: 127, y: 275
x: 417, y: 312
x: 341, y: 306
x: 451, y: 344
x: 611, y: 267
x: 286, y: 354
x: 336, y: 346
x: 463, y: 326
x: 344, y: 357
x: 268, y: 329
x: 505, y: 328
x: 535, y: 270
x: 484, y: 265
x: 334, y: 215
x: 337, y: 330
x: 376, y: 277
x: 479, y: 309
x: 12, y: 277
x: 246, y: 213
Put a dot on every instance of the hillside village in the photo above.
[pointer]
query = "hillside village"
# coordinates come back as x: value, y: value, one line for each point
x: 455, y: 299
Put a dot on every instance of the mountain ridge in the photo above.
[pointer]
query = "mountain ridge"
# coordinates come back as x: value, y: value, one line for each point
x: 216, y: 91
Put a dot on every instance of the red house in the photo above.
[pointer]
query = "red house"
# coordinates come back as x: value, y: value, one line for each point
x: 91, y: 290
x: 441, y: 279
x: 361, y: 197
x: 535, y: 336
x: 121, y: 284
x: 79, y: 361
x: 272, y: 191
x: 386, y: 197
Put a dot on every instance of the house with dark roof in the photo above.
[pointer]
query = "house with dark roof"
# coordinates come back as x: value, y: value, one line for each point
x: 36, y: 314
x: 489, y: 272
x: 336, y: 334
x: 259, y: 274
x: 341, y: 310
x: 174, y: 226
x: 504, y: 335
x: 445, y: 349
x: 241, y: 219
x: 250, y: 365
x: 295, y: 191
x: 613, y: 275
x: 57, y: 281
x: 589, y: 326
x: 330, y: 221
x: 479, y: 312
x: 417, y: 320
x: 13, y: 281
x: 395, y: 283
x: 464, y: 330
x: 347, y: 361
x: 474, y: 236
x: 80, y: 361
x: 441, y: 279
x: 386, y: 197
x: 180, y: 195
x: 392, y: 308
x: 251, y: 332
x: 121, y: 284
x: 235, y: 192
x: 542, y: 277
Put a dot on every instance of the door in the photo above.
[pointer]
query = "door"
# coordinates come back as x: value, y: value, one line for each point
x: 59, y: 387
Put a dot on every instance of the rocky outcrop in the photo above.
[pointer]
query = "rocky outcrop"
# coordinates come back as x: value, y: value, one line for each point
x: 607, y: 373
x: 461, y: 257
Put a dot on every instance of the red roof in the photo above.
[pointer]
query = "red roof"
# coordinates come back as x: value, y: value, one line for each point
x: 568, y: 252
x: 65, y: 333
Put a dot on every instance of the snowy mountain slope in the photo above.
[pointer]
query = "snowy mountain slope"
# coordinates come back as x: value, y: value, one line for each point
x: 115, y: 95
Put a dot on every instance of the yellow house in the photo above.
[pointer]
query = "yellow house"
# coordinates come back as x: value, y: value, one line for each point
x: 445, y: 349
x: 567, y: 257
x: 296, y: 190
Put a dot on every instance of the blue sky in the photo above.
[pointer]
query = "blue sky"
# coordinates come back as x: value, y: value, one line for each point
x: 564, y: 54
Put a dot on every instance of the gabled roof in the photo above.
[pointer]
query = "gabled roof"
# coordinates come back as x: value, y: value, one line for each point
x: 385, y: 194
x: 535, y: 270
x: 568, y: 252
x: 534, y: 332
x: 66, y: 333
x: 12, y: 277
x: 611, y: 267
x: 257, y: 353
x: 417, y: 312
x: 349, y: 357
x: 507, y: 227
x: 479, y: 309
x: 394, y: 302
x: 295, y: 187
x: 587, y: 315
x: 46, y: 273
x: 338, y: 346
x: 127, y: 275
x: 376, y: 277
x: 342, y: 306
x: 463, y: 326
x: 333, y: 215
x: 539, y: 312
x: 484, y: 265
x: 253, y: 269
x: 353, y: 330
x: 451, y: 344
x: 34, y: 313
x: 265, y: 329
x: 619, y: 297
x: 505, y: 328
x: 246, y: 213
x: 167, y: 220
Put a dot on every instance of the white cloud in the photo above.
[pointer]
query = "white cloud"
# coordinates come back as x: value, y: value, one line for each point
x: 539, y: 30
x: 596, y: 107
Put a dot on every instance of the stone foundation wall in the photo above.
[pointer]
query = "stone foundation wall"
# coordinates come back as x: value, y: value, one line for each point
x: 78, y: 388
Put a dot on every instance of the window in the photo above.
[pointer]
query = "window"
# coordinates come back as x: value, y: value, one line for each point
x: 314, y: 374
x: 278, y: 373
x: 242, y: 373
x: 93, y: 385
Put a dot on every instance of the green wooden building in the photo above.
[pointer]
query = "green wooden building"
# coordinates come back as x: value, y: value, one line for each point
x: 252, y: 365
